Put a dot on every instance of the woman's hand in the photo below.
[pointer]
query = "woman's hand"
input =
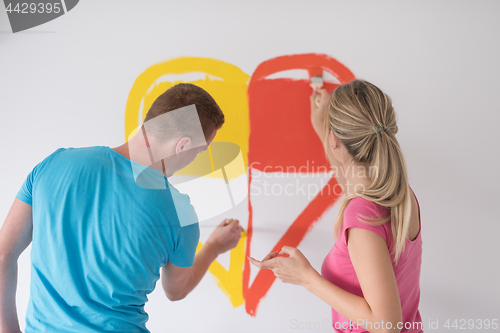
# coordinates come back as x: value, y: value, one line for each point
x: 318, y: 113
x: 293, y: 268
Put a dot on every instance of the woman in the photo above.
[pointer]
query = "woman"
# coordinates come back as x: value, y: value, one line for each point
x: 370, y: 278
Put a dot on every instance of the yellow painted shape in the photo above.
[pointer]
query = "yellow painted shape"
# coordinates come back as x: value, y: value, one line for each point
x: 211, y: 158
x: 218, y: 155
x: 230, y: 282
x: 226, y: 83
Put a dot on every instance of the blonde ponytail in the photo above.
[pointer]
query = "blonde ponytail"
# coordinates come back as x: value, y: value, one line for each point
x: 362, y: 118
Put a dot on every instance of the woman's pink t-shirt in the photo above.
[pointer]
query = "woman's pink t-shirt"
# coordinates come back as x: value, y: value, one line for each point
x: 337, y: 267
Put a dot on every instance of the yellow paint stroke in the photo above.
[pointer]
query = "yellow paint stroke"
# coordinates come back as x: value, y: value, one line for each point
x: 231, y: 282
x: 211, y: 158
x: 228, y: 86
x: 225, y: 82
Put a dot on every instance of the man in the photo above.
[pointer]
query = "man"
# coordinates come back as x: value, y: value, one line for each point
x: 103, y: 221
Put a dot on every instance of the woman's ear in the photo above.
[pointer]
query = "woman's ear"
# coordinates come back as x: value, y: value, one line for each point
x: 182, y: 145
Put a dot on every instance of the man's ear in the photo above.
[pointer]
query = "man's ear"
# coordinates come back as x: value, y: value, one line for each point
x: 182, y: 145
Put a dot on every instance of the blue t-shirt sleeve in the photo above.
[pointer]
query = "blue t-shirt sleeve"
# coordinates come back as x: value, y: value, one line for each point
x: 25, y: 193
x: 188, y: 230
x: 185, y: 248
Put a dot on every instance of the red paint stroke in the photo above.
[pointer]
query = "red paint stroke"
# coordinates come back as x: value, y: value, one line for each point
x: 304, y: 61
x: 292, y: 237
x: 281, y: 136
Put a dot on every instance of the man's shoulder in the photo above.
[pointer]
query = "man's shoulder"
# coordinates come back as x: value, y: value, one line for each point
x: 84, y: 153
x: 182, y: 202
x: 71, y: 158
x: 181, y: 199
x: 68, y: 151
x: 83, y: 150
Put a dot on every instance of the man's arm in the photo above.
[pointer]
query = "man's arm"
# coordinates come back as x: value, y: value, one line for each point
x: 15, y: 236
x: 178, y: 282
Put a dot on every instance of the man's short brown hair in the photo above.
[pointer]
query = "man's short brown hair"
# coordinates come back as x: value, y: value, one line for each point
x: 184, y: 94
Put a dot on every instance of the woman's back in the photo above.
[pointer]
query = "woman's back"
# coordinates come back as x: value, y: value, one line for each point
x: 407, y: 272
x: 338, y: 269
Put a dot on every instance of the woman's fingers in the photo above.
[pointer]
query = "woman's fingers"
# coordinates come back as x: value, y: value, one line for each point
x: 255, y: 262
x: 313, y: 96
x: 325, y: 96
x: 288, y: 250
x: 270, y: 256
x: 264, y: 264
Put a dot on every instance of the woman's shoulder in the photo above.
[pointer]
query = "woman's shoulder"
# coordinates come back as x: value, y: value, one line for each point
x: 360, y: 212
x: 358, y: 204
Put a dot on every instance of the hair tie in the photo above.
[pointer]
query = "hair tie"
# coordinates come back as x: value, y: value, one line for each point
x: 380, y: 128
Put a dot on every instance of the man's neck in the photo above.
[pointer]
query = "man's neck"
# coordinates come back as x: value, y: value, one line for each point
x: 123, y: 150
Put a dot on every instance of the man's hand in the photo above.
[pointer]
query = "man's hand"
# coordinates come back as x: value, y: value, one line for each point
x: 179, y: 281
x: 318, y: 114
x: 225, y: 237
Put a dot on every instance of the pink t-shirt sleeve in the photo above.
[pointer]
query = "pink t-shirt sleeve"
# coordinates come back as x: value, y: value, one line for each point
x: 360, y: 206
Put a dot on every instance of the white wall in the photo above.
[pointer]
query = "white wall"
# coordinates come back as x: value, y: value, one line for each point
x: 65, y: 84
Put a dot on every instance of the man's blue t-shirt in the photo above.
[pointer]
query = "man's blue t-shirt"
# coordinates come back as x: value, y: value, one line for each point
x: 99, y: 241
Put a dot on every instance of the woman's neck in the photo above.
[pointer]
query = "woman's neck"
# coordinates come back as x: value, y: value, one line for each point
x: 357, y: 177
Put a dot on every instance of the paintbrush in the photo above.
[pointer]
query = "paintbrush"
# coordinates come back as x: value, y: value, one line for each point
x: 316, y: 77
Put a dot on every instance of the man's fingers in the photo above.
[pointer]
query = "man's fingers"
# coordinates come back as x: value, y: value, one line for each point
x: 227, y: 222
x: 235, y: 226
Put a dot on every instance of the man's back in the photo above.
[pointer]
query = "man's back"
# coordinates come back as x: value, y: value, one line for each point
x: 99, y: 240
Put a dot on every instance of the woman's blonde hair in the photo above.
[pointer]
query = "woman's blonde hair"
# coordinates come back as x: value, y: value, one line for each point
x: 362, y: 118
